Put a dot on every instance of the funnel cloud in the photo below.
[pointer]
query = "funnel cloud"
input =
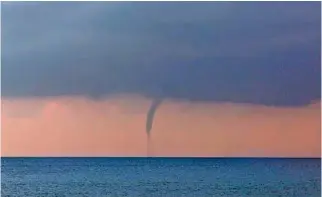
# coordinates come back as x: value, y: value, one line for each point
x: 149, y: 120
x: 150, y: 116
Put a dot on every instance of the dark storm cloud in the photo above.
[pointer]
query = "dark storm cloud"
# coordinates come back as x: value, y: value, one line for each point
x: 267, y: 53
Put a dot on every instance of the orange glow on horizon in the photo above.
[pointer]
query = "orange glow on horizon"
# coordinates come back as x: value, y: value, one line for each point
x: 116, y: 127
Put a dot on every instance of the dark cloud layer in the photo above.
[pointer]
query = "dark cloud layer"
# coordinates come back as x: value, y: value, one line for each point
x: 266, y: 53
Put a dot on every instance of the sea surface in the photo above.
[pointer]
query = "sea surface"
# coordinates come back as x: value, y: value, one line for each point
x: 175, y: 177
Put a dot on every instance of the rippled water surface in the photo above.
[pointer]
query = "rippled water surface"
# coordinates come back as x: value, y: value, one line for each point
x: 134, y: 177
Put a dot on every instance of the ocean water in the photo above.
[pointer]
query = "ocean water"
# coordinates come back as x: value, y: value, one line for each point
x: 175, y: 177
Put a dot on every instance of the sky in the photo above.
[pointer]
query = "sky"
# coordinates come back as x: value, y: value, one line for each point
x: 236, y: 78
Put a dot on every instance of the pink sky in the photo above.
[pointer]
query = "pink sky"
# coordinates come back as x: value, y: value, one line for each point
x: 73, y: 126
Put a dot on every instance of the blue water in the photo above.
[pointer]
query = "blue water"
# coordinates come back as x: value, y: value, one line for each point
x: 197, y: 177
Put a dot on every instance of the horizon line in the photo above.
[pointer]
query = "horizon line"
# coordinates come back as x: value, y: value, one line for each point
x: 164, y: 157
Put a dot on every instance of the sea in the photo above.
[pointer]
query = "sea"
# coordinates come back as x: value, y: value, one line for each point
x: 149, y: 177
